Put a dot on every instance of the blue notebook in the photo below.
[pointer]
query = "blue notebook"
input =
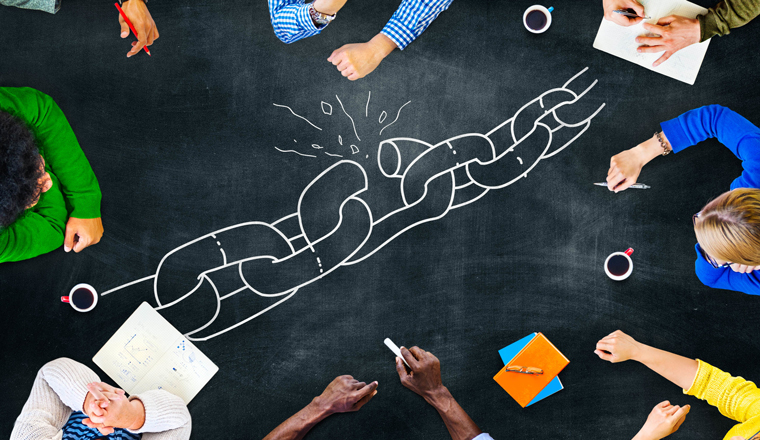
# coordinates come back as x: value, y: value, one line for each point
x: 509, y: 352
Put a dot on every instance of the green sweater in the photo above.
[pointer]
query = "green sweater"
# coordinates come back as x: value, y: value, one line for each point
x: 75, y: 190
x: 727, y: 15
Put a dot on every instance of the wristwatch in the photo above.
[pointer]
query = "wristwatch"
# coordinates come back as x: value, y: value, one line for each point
x: 319, y: 18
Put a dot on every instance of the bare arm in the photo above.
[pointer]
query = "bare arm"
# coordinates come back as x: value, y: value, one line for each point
x: 619, y: 347
x: 344, y: 394
x: 425, y: 380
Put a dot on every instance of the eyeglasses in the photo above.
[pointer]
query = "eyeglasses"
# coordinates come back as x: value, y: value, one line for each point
x: 709, y: 259
x: 524, y: 370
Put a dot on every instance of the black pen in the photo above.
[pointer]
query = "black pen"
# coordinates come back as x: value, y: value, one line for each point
x: 629, y: 13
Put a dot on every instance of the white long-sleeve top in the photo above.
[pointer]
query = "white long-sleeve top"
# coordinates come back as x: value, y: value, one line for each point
x: 60, y: 389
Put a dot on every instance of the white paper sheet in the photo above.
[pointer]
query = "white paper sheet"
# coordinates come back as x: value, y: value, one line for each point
x: 147, y: 353
x: 621, y: 41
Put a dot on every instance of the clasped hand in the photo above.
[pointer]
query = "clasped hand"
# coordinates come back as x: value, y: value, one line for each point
x: 108, y: 408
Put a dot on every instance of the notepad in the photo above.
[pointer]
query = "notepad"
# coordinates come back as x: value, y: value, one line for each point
x: 539, y: 353
x: 620, y: 41
x: 148, y: 353
x: 509, y: 352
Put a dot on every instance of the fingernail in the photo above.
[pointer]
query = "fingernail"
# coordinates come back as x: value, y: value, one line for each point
x: 638, y: 50
x: 124, y: 34
x: 66, y: 248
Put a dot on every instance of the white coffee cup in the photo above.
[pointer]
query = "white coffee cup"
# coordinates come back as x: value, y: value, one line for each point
x: 627, y: 256
x: 71, y: 300
x: 547, y: 13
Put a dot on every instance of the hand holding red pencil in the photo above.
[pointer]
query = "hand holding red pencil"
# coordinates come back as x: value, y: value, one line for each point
x: 134, y: 16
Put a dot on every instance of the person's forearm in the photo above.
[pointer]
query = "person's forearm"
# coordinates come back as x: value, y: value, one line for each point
x: 296, y: 427
x: 677, y: 369
x: 459, y: 424
x: 384, y: 45
x: 727, y: 15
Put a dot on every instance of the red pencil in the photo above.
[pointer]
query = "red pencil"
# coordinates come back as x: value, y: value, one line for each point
x: 124, y: 16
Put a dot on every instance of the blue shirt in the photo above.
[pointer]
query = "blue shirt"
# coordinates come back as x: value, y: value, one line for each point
x: 743, y: 139
x: 291, y: 20
x: 74, y: 429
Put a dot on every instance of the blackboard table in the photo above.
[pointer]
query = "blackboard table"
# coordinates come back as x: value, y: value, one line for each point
x: 184, y: 143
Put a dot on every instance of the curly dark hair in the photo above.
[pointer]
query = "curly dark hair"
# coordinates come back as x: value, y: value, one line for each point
x: 20, y: 168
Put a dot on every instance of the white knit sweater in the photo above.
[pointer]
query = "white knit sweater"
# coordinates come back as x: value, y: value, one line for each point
x: 61, y: 387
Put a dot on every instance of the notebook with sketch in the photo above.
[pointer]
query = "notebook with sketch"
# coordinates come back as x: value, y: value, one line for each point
x: 621, y: 41
x: 148, y: 353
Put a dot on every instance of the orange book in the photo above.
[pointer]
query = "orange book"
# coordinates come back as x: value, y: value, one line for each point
x: 538, y: 353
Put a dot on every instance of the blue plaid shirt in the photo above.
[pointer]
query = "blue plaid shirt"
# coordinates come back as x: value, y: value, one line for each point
x: 291, y: 20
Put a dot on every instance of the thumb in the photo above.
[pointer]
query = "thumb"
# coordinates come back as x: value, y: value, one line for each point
x: 68, y: 240
x: 124, y: 27
x: 636, y: 6
x: 664, y: 21
x: 603, y: 355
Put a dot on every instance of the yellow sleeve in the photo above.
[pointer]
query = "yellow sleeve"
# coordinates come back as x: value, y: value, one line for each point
x: 735, y: 397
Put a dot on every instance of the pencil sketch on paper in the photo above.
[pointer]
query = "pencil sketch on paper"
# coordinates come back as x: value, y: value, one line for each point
x: 335, y: 222
x: 620, y: 41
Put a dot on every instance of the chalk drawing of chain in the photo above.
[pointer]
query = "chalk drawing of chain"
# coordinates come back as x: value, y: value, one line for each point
x: 335, y: 226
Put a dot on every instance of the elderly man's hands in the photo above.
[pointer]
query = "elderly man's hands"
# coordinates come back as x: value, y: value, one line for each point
x: 345, y: 394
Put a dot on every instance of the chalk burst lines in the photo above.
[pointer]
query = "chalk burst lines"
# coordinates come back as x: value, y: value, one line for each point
x: 327, y: 109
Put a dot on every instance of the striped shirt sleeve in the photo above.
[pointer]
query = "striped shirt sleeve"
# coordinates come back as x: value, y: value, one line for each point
x: 412, y: 18
x: 291, y: 20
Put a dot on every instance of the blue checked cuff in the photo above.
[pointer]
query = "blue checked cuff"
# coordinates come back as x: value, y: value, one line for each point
x: 398, y: 33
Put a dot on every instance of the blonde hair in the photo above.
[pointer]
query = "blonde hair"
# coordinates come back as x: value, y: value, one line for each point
x: 728, y: 228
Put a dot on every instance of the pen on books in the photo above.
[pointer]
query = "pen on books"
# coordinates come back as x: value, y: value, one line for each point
x: 129, y: 23
x: 629, y: 14
x: 634, y: 186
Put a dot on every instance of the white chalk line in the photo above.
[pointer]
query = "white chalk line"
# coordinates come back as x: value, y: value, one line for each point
x: 347, y: 261
x: 127, y: 285
x: 297, y: 115
x: 294, y: 151
x: 349, y: 117
x: 397, y: 115
x: 366, y: 109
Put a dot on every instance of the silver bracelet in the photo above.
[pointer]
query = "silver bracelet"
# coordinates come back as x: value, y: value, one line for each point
x: 662, y: 143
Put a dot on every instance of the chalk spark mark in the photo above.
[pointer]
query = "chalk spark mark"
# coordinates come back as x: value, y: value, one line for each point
x: 382, y: 117
x: 293, y: 151
x: 366, y: 109
x: 397, y: 115
x: 333, y: 155
x: 316, y: 146
x: 297, y: 115
x: 354, y: 149
x: 349, y: 117
x: 340, y: 140
x: 328, y: 112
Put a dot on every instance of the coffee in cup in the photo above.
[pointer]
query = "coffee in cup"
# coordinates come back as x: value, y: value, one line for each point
x: 537, y: 19
x: 619, y: 265
x: 83, y: 298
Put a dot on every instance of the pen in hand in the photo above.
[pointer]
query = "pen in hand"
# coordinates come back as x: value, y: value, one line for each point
x: 630, y: 13
x: 129, y: 23
x: 634, y: 186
